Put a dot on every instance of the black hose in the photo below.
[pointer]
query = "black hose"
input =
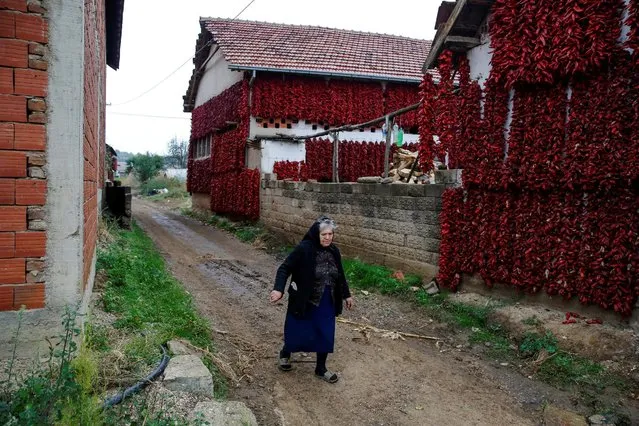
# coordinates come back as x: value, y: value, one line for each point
x: 116, y: 399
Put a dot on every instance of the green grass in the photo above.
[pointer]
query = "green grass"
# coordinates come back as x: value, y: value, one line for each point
x: 176, y: 188
x: 143, y: 293
x: 247, y: 232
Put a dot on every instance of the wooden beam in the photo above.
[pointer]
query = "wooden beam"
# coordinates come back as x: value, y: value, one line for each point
x: 442, y: 35
x: 466, y: 42
x: 335, y: 137
x: 389, y: 130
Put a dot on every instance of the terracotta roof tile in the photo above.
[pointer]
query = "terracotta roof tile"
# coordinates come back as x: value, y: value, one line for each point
x: 318, y: 50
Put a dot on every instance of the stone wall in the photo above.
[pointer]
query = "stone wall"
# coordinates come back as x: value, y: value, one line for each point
x: 395, y: 225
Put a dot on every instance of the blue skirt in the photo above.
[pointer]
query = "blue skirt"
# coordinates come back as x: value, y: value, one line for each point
x: 315, y: 332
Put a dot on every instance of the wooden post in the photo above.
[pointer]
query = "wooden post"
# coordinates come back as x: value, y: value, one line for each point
x: 388, y: 146
x: 335, y: 136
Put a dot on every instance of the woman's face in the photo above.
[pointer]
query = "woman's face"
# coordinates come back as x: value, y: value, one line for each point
x: 326, y: 237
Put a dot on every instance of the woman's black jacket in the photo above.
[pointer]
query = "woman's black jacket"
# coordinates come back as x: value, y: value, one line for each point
x: 301, y: 265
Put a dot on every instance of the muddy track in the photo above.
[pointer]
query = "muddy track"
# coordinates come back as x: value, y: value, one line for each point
x: 382, y: 381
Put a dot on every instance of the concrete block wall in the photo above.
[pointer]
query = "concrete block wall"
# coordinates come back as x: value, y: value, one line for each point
x: 23, y: 163
x: 396, y: 225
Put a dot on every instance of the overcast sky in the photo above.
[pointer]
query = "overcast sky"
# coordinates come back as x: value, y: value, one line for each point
x: 159, y: 36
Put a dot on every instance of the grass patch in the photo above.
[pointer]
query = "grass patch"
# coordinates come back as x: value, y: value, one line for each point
x: 247, y: 232
x: 175, y: 187
x: 144, y: 295
x: 565, y: 370
x: 150, y: 307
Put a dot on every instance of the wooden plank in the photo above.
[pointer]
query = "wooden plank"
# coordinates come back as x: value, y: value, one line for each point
x: 440, y: 38
x: 388, y: 145
x: 466, y: 42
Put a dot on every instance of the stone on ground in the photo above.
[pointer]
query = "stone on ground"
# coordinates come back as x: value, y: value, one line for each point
x: 187, y: 373
x: 177, y: 348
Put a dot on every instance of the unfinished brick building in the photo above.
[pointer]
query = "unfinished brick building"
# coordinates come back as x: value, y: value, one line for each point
x: 53, y: 57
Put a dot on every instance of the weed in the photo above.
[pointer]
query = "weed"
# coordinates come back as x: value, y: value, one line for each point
x: 96, y: 337
x: 57, y: 393
x: 532, y: 321
x: 532, y: 344
x: 244, y: 231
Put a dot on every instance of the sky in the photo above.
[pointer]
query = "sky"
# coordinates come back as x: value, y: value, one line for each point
x: 159, y: 36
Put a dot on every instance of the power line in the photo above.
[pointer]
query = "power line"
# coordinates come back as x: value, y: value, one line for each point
x: 206, y: 45
x: 147, y: 115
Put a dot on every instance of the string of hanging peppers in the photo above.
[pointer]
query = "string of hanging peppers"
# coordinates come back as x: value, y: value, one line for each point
x: 550, y: 202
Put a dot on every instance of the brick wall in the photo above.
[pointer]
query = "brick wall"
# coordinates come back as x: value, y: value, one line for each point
x: 93, y: 146
x: 23, y: 174
x: 395, y: 225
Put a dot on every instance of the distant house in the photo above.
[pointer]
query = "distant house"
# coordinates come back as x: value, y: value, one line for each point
x: 53, y: 58
x: 257, y: 83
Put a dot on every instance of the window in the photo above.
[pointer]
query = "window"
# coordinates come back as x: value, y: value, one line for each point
x: 202, y: 147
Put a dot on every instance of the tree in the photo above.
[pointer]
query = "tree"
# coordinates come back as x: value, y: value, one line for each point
x: 178, y: 153
x: 145, y: 166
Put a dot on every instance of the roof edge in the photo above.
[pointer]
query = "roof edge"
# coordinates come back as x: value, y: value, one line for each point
x: 326, y: 73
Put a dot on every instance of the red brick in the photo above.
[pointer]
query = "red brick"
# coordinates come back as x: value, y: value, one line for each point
x: 31, y: 27
x: 30, y: 137
x: 7, y: 191
x: 31, y: 244
x: 13, y: 218
x: 30, y: 295
x: 7, y: 135
x: 31, y: 192
x: 12, y: 271
x: 30, y: 82
x: 14, y: 53
x: 6, y: 298
x: 20, y: 5
x: 6, y: 81
x: 7, y: 245
x: 7, y: 24
x: 13, y: 108
x: 13, y: 164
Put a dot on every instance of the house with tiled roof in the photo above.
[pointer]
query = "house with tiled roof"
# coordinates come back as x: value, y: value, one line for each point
x: 257, y: 84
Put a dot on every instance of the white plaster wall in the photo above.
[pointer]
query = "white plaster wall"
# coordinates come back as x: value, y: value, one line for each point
x: 302, y: 129
x: 479, y: 59
x: 65, y: 183
x: 217, y: 78
x: 273, y: 150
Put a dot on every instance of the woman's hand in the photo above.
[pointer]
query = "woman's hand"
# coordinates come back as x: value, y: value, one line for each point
x: 349, y: 303
x: 275, y: 296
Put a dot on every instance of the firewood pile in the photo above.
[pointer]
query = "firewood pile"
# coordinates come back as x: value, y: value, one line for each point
x: 403, y: 162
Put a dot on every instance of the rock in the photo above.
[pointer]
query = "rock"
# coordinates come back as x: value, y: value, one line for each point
x: 597, y: 419
x: 387, y: 180
x: 188, y: 373
x: 369, y: 179
x: 555, y: 416
x: 177, y: 348
x: 229, y: 413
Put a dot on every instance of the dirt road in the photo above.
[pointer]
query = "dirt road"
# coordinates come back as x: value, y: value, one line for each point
x: 382, y: 381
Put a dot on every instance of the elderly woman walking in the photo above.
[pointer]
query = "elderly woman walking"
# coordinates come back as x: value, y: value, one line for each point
x: 318, y: 287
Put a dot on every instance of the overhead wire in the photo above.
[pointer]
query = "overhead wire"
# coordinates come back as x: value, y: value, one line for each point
x: 206, y: 45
